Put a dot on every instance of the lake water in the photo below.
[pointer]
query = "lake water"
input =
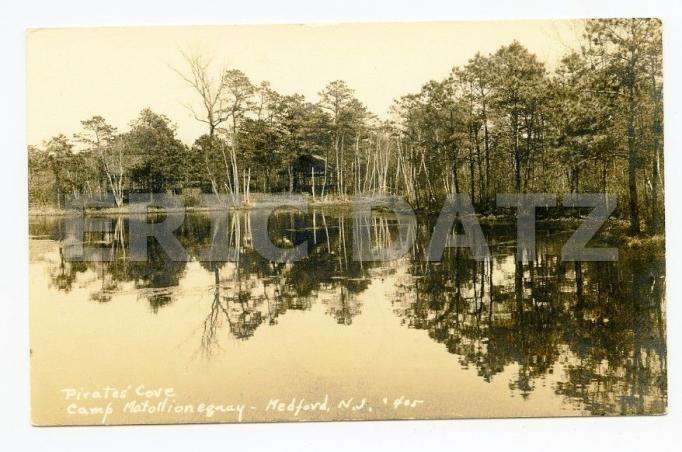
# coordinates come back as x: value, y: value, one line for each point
x: 330, y: 338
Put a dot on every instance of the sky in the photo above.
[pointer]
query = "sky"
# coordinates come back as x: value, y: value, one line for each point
x: 76, y: 73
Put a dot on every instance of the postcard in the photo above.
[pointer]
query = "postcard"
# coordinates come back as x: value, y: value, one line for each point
x: 346, y: 222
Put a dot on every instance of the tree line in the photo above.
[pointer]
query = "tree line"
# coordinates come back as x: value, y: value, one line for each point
x: 500, y: 123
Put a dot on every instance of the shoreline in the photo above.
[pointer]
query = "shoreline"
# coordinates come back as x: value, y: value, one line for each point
x: 125, y: 210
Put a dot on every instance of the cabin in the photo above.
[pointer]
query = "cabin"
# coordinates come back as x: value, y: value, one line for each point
x: 309, y: 174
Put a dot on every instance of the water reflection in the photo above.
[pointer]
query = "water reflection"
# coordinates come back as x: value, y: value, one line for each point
x: 596, y: 328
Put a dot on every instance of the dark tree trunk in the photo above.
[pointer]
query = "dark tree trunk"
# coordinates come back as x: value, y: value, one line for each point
x: 632, y: 166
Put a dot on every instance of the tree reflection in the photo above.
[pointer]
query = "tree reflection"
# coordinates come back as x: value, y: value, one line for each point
x: 594, y: 330
x: 603, y: 322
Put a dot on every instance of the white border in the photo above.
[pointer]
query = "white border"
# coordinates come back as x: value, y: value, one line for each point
x: 638, y: 433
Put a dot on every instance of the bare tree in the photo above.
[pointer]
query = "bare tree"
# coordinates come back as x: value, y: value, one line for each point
x: 224, y: 103
x: 213, y: 110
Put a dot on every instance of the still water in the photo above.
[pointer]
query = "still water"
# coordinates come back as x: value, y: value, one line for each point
x: 330, y: 338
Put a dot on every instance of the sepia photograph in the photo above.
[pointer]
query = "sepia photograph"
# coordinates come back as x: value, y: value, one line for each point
x: 351, y: 226
x: 267, y: 232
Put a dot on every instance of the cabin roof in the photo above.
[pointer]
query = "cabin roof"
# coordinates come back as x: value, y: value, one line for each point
x: 306, y: 161
x: 313, y: 157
